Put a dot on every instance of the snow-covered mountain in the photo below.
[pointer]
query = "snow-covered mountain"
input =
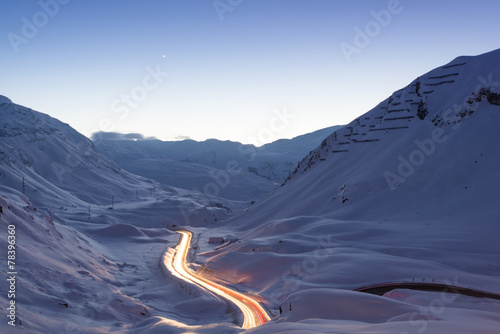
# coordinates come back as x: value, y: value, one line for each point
x: 406, y: 192
x: 430, y: 144
x: 152, y: 157
x: 223, y: 178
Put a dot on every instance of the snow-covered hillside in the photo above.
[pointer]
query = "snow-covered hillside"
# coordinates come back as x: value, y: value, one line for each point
x: 406, y: 192
x: 64, y: 282
x: 147, y: 158
x: 429, y: 146
x: 52, y: 155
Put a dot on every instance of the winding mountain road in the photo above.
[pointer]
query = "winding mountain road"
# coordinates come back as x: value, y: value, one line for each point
x: 253, y: 314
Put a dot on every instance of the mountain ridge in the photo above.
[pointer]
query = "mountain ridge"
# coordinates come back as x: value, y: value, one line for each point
x: 484, y: 87
x: 273, y: 161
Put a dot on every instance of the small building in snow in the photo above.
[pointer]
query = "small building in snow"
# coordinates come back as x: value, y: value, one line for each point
x: 215, y: 240
x: 230, y: 238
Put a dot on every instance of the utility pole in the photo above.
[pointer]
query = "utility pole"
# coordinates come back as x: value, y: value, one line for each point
x: 89, y: 211
x: 23, y: 188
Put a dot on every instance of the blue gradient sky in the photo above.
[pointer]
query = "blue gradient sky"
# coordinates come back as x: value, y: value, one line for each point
x: 226, y: 78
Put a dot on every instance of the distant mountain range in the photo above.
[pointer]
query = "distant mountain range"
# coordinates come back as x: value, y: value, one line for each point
x: 154, y: 158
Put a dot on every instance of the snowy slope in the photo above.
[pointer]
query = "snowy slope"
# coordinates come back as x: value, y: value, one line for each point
x: 52, y: 157
x: 408, y: 191
x: 395, y: 159
x: 149, y: 159
x: 96, y: 276
x: 64, y: 281
x: 233, y: 184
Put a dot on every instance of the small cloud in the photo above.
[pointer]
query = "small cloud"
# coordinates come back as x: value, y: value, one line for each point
x: 180, y: 137
x: 134, y: 136
x: 100, y: 136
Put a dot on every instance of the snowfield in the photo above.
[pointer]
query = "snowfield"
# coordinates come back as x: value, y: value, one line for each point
x: 407, y: 192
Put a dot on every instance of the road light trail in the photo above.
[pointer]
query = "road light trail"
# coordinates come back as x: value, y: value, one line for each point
x: 253, y: 314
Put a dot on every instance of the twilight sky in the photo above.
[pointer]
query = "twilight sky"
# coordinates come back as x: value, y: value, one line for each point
x: 246, y: 70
